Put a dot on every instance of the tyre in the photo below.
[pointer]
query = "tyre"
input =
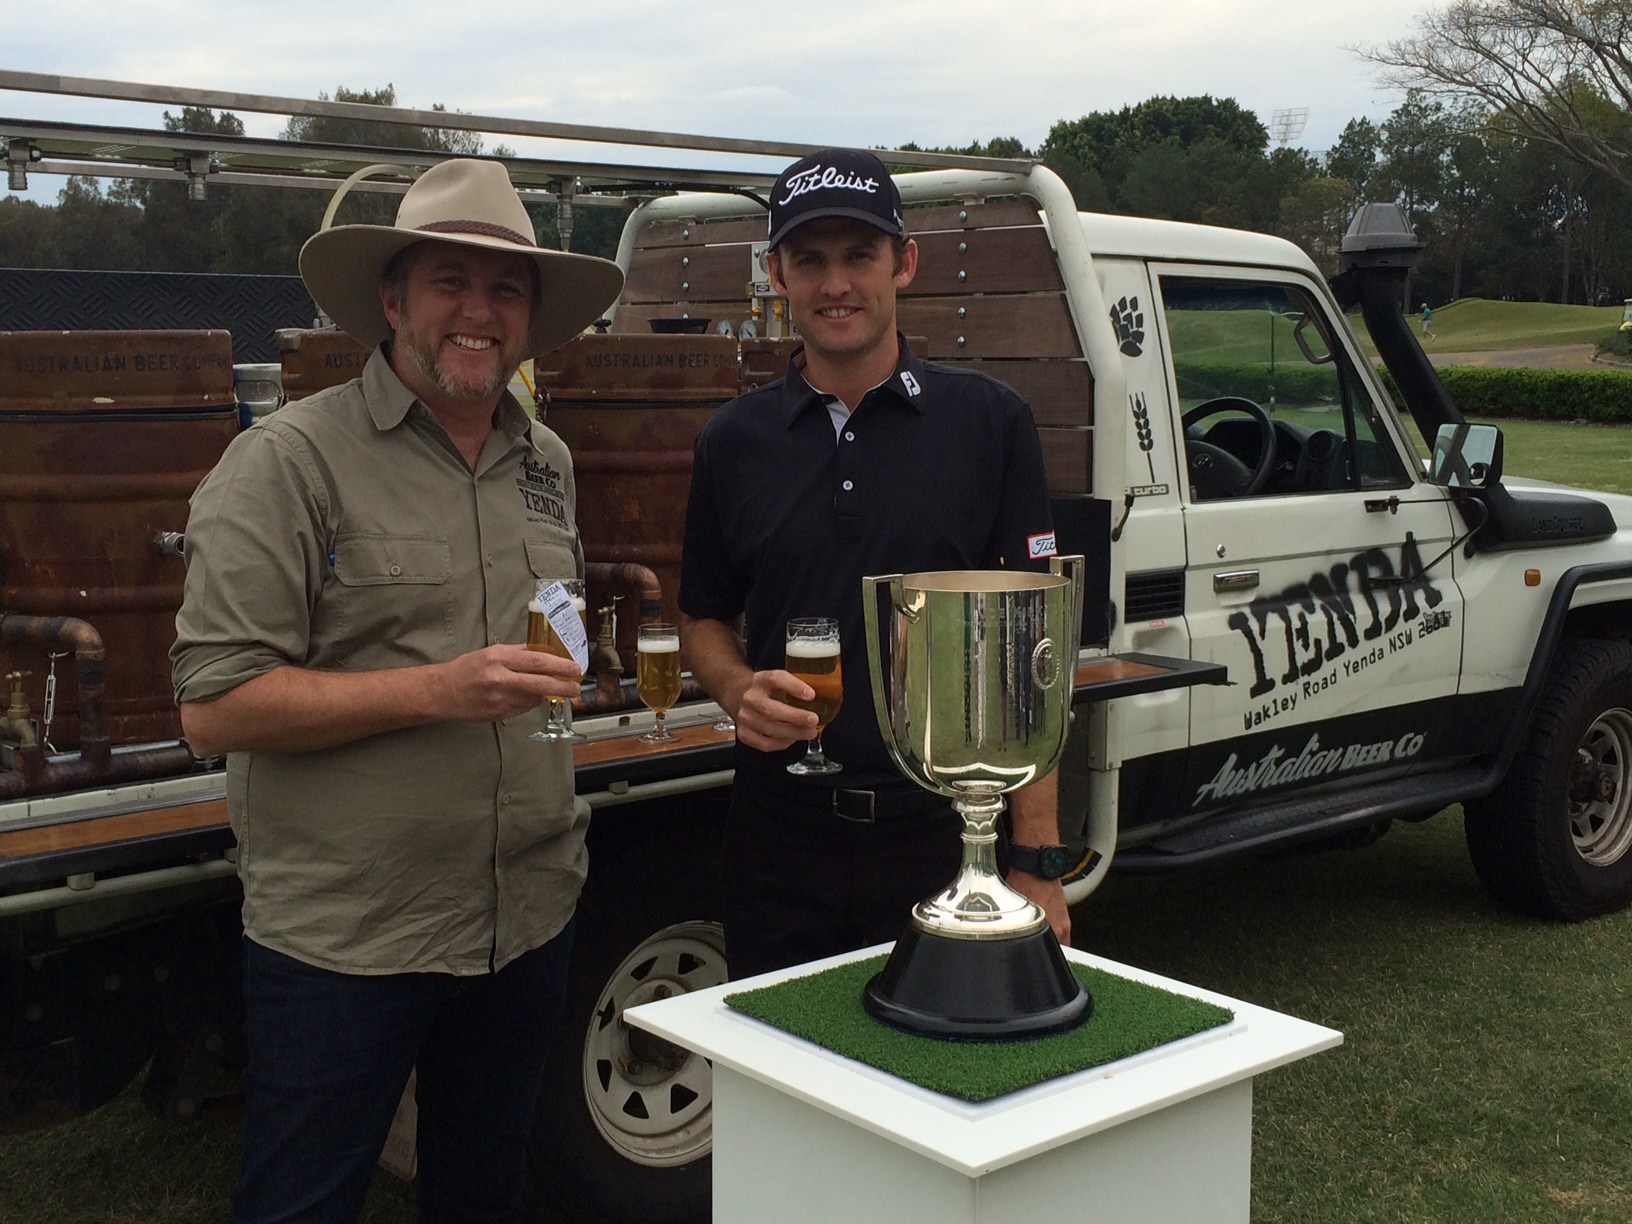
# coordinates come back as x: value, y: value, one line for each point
x: 624, y: 1125
x: 1555, y: 838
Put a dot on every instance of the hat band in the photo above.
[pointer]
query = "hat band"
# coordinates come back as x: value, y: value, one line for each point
x: 485, y: 228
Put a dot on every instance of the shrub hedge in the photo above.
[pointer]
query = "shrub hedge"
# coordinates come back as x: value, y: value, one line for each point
x: 1485, y: 392
x: 1481, y: 392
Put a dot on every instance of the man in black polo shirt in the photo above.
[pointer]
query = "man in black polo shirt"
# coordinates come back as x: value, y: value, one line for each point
x: 864, y: 459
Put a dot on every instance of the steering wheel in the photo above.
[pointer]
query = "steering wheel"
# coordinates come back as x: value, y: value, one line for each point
x: 1214, y: 471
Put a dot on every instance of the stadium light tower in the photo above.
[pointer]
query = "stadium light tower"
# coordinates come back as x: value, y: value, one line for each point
x: 1287, y: 125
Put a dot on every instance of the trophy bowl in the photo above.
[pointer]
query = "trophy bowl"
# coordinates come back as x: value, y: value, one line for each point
x: 972, y: 677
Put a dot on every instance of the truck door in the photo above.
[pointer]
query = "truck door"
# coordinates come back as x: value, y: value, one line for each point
x: 1307, y: 524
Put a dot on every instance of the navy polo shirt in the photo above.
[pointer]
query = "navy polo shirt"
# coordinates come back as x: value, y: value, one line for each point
x: 937, y: 468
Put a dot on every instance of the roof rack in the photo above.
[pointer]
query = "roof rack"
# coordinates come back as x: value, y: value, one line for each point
x: 200, y: 158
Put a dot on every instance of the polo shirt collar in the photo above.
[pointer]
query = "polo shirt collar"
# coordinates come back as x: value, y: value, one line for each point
x: 905, y: 383
x: 389, y: 401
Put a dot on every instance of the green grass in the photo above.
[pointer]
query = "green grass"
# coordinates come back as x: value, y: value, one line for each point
x: 1583, y: 456
x: 122, y: 1165
x: 1477, y: 325
x: 1485, y: 1070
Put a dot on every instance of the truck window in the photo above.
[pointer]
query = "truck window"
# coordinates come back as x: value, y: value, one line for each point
x: 1270, y: 344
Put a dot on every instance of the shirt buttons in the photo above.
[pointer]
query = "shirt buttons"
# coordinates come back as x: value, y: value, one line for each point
x: 396, y: 571
x: 505, y: 799
x: 490, y: 558
x: 848, y: 485
x: 849, y: 436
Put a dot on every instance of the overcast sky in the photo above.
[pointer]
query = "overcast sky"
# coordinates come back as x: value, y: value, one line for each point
x: 878, y: 72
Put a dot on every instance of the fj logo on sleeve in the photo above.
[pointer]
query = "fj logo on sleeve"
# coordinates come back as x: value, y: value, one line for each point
x: 909, y: 382
x: 1040, y: 546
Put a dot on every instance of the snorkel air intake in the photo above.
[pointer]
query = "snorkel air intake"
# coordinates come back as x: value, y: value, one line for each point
x: 1377, y: 254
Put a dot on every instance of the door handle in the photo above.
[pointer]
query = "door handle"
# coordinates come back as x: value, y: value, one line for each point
x: 1235, y: 580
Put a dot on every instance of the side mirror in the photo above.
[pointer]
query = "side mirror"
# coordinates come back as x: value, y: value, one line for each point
x: 1466, y: 457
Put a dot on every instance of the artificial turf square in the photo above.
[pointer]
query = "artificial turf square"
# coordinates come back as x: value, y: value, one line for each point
x: 1129, y: 1018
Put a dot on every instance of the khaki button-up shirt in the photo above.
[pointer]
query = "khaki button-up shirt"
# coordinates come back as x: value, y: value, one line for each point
x: 346, y: 533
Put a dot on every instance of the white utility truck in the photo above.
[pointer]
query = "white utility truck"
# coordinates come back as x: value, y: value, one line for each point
x: 1298, y: 627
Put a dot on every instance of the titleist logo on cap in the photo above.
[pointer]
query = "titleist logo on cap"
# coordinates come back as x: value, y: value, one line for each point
x: 818, y: 178
x: 848, y: 183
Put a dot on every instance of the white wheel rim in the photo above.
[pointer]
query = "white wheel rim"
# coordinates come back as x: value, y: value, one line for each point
x: 1600, y: 798
x: 658, y: 1113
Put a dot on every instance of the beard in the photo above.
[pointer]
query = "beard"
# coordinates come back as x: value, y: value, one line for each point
x: 427, y: 363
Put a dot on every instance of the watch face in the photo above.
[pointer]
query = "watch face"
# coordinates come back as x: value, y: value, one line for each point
x: 1052, y: 862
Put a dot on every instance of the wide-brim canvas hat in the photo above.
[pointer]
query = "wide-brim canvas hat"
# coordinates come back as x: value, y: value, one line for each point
x: 467, y: 202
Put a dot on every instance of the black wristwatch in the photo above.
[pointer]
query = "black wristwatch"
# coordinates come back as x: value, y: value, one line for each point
x: 1044, y: 862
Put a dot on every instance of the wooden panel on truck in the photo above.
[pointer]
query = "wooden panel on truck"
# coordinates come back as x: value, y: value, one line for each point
x: 1060, y: 391
x: 998, y: 325
x: 629, y: 408
x: 1068, y: 457
x: 988, y: 294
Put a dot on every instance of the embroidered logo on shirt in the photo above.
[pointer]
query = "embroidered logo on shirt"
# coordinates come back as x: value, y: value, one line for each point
x: 909, y: 382
x: 540, y: 487
x: 1040, y: 546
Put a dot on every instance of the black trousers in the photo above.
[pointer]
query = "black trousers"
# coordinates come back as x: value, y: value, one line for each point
x: 329, y: 1054
x: 801, y: 882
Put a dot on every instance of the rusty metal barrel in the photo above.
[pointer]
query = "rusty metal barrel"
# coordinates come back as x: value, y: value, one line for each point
x: 629, y: 408
x: 313, y: 360
x: 103, y: 438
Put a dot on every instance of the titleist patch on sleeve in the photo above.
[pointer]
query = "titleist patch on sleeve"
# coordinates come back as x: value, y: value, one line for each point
x: 1040, y: 546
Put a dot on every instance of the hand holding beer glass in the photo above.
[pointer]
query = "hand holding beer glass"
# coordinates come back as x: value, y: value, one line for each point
x: 813, y: 656
x: 657, y: 675
x: 541, y: 636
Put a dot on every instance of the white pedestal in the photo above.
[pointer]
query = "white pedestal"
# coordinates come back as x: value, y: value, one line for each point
x: 802, y: 1134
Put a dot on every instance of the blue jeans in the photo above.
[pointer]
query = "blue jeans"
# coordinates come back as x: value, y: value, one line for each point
x: 329, y: 1054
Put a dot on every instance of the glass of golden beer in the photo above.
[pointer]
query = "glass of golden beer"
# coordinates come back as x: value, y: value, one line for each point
x: 541, y: 636
x: 813, y: 656
x: 657, y: 675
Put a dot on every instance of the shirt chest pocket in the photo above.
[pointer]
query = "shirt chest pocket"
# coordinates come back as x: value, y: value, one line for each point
x: 395, y: 598
x: 551, y: 559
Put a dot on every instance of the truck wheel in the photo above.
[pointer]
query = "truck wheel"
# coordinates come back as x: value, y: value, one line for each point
x: 1555, y: 838
x: 624, y: 1125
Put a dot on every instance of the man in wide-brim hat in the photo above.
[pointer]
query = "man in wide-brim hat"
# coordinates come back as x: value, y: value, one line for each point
x: 359, y: 569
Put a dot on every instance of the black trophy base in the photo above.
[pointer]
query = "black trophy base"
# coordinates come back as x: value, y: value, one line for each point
x: 978, y: 989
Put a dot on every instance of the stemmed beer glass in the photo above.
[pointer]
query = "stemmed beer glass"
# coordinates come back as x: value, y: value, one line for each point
x: 813, y: 656
x: 541, y: 636
x: 657, y: 675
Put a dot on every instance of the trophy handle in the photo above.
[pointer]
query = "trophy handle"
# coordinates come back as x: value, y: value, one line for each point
x: 1074, y: 567
x: 878, y: 651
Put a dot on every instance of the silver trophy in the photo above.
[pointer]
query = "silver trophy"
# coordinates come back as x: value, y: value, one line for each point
x: 972, y: 674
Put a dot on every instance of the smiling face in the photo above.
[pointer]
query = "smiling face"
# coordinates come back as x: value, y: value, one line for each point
x: 459, y: 316
x: 840, y: 278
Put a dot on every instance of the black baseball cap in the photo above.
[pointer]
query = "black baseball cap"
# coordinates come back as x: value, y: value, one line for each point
x: 835, y: 183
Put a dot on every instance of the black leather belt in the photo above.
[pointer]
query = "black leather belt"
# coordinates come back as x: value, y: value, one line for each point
x: 871, y: 806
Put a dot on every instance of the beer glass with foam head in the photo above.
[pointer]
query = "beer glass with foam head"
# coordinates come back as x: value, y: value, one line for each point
x: 657, y: 675
x: 541, y: 636
x: 813, y: 656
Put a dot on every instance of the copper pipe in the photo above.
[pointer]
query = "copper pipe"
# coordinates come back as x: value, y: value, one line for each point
x: 90, y: 674
x: 628, y: 576
x: 124, y: 765
x: 607, y: 700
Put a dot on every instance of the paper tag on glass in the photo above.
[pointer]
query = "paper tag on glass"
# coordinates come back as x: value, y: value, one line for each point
x: 564, y: 612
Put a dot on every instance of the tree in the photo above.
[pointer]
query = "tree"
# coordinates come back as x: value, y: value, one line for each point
x: 1109, y: 143
x: 1354, y: 156
x: 1555, y: 71
x: 1188, y: 159
x: 1315, y: 214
